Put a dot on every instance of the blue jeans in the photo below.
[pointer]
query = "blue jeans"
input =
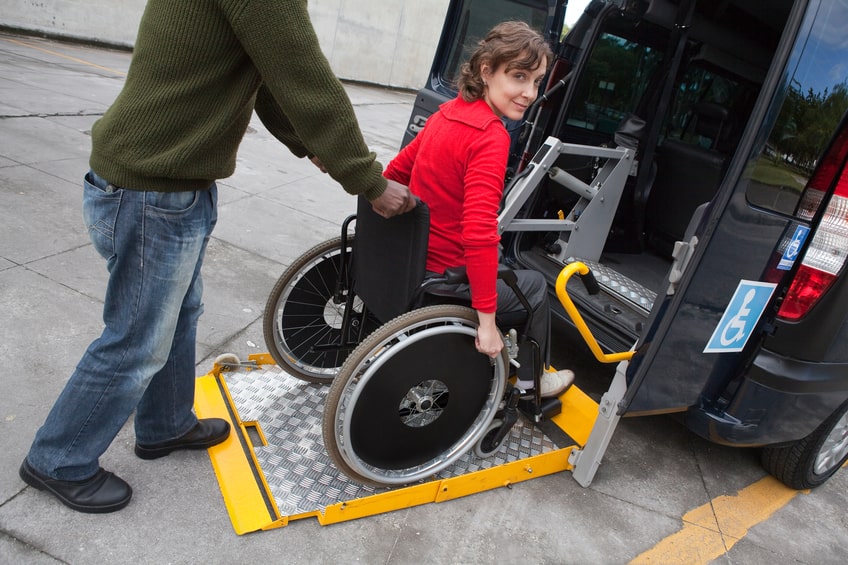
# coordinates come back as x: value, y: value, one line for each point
x: 153, y: 243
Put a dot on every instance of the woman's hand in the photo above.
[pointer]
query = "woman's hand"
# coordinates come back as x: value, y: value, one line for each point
x: 489, y: 340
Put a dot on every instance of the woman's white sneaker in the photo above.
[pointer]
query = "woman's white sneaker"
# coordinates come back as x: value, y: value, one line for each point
x: 554, y: 384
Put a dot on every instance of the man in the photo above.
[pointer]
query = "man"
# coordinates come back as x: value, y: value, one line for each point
x: 199, y: 69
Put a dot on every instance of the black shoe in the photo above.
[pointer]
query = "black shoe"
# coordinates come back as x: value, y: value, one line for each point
x: 104, y: 492
x: 204, y: 434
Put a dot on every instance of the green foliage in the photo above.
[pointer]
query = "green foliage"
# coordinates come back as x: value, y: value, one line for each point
x: 777, y: 174
x: 805, y: 123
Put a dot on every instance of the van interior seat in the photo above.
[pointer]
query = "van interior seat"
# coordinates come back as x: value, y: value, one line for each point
x: 689, y: 171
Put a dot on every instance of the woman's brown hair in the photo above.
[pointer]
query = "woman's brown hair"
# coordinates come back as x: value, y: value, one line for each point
x: 513, y: 43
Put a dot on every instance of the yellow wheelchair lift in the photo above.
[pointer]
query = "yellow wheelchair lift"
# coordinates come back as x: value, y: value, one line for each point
x: 273, y: 468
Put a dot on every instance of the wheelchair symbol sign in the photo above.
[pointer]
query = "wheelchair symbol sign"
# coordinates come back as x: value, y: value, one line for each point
x: 793, y: 248
x: 740, y: 317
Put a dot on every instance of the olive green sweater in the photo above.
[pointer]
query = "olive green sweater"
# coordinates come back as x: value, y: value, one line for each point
x: 198, y: 70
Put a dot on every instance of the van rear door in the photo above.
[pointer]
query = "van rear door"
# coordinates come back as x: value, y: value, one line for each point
x: 466, y: 23
x: 714, y: 320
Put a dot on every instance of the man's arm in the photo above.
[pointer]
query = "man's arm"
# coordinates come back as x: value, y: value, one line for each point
x: 310, y: 99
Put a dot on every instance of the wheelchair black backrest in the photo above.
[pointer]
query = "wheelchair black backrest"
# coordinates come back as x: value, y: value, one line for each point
x: 389, y: 258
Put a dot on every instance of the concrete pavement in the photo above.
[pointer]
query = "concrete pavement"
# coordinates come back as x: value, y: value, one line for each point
x: 661, y: 493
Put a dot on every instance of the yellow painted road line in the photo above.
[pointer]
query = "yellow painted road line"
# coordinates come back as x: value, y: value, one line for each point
x: 63, y: 56
x: 709, y: 531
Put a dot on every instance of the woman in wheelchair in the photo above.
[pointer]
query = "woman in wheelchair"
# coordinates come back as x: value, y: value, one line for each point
x: 457, y: 165
x: 410, y: 394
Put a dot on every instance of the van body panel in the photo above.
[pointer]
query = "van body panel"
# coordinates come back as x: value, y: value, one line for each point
x: 780, y: 400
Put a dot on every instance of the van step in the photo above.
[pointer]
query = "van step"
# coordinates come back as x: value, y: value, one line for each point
x: 620, y: 287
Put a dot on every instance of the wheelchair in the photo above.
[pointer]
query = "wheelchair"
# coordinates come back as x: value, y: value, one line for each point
x: 311, y: 320
x: 409, y: 392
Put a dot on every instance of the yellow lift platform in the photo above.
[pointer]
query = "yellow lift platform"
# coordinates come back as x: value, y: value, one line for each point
x: 274, y: 467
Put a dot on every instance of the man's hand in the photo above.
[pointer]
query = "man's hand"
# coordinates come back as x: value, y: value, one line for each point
x: 317, y: 162
x: 396, y: 199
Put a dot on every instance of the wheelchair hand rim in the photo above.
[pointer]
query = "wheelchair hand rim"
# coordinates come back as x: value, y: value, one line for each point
x: 462, y: 446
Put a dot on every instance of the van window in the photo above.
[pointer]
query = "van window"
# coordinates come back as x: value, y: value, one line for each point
x: 616, y: 77
x: 700, y: 88
x: 478, y: 17
x: 780, y: 173
x: 815, y: 99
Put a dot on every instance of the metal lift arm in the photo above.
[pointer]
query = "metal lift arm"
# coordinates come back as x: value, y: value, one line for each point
x: 583, y: 230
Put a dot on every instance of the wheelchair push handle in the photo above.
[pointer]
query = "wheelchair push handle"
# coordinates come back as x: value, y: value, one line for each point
x: 592, y: 287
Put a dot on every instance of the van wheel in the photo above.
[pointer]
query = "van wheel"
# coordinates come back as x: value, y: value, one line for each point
x: 811, y: 461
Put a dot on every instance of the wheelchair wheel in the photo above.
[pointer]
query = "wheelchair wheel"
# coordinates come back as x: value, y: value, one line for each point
x: 302, y: 322
x: 487, y: 446
x: 412, y: 398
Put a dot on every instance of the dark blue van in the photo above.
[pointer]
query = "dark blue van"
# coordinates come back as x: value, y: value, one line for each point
x: 693, y: 154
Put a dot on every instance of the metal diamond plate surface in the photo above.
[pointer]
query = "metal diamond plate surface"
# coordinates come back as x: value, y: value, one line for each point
x: 297, y: 468
x: 622, y: 287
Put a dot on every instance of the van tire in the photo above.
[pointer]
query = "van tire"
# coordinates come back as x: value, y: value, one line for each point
x: 809, y: 462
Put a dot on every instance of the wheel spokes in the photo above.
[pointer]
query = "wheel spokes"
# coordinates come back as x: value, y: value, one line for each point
x: 834, y: 447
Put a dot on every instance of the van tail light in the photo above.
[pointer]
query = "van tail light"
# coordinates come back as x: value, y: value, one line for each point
x: 827, y: 252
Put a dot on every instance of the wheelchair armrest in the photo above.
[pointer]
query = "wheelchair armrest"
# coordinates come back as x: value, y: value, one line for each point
x: 458, y: 275
x: 455, y: 275
x: 507, y: 275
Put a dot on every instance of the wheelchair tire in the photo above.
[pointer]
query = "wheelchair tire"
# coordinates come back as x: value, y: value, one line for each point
x: 302, y: 320
x: 412, y: 398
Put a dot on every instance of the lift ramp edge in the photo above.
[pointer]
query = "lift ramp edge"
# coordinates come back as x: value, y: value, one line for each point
x: 578, y: 415
x: 243, y: 487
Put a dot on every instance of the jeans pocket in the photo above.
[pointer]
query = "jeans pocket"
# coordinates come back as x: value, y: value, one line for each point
x: 100, y: 205
x: 178, y: 218
x: 171, y: 203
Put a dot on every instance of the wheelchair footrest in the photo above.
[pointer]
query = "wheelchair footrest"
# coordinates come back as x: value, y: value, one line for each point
x: 550, y: 407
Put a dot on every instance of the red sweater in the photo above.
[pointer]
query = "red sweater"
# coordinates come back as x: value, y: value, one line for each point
x: 456, y: 164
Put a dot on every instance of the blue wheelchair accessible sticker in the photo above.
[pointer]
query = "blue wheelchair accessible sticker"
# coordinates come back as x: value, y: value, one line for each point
x: 793, y: 248
x: 740, y: 317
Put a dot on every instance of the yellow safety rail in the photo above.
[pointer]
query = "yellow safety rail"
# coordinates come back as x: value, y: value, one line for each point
x: 571, y: 309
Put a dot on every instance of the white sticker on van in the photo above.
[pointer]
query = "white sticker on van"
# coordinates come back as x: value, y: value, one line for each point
x: 793, y: 248
x: 740, y: 317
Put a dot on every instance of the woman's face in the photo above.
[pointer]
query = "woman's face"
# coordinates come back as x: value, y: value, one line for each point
x: 510, y: 92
